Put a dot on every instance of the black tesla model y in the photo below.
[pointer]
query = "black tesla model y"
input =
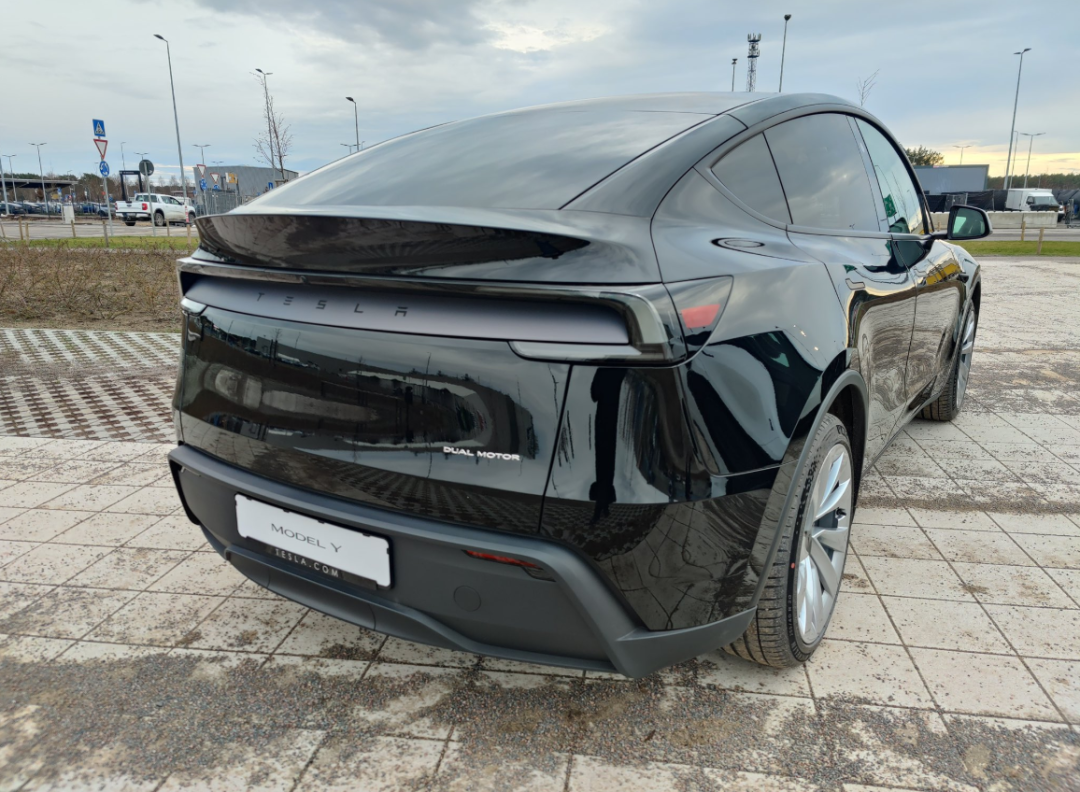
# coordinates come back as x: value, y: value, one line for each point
x: 590, y: 384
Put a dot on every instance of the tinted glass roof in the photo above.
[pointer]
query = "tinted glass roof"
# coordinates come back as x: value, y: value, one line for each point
x: 537, y: 158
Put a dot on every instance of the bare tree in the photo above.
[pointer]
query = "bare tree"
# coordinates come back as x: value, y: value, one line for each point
x: 273, y: 145
x: 866, y: 86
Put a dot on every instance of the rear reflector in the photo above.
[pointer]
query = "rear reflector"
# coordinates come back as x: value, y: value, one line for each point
x: 501, y: 559
x: 699, y: 317
x: 700, y: 303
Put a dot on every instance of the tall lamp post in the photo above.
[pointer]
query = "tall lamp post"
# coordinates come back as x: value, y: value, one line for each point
x: 123, y: 159
x: 348, y: 146
x: 41, y: 172
x: 962, y: 152
x: 3, y: 181
x: 269, y: 125
x: 176, y: 118
x: 356, y: 120
x: 1016, y: 101
x: 11, y: 170
x: 1031, y: 139
x: 783, y: 51
x: 733, y: 62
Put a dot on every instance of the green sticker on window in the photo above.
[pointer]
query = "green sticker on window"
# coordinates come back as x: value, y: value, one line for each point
x: 890, y: 206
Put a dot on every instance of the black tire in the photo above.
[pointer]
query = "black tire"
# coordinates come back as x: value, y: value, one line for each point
x: 129, y: 222
x: 773, y: 638
x: 159, y: 216
x: 947, y: 406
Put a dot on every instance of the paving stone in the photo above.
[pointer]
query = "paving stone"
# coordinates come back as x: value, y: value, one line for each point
x: 132, y: 568
x: 156, y: 618
x: 51, y: 563
x: 1039, y: 632
x: 870, y: 672
x: 909, y: 577
x: 41, y: 525
x: 942, y: 624
x: 200, y: 573
x: 892, y: 541
x: 983, y: 684
x: 379, y: 764
x: 247, y: 625
x: 66, y: 612
x: 978, y: 547
x: 1011, y: 585
x: 319, y: 635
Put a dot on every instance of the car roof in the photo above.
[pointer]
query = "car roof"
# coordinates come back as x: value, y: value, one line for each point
x: 541, y: 157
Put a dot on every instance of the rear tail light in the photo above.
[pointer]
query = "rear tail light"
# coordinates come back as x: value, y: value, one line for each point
x: 145, y: 207
x: 666, y: 324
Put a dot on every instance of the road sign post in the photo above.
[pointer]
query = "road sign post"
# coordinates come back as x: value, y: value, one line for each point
x: 146, y: 168
x: 102, y: 145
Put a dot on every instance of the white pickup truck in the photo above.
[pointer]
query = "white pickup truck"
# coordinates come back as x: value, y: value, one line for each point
x: 162, y: 208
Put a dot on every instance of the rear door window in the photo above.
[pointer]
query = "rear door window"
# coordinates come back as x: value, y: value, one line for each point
x: 821, y: 169
x: 903, y: 204
x: 748, y: 171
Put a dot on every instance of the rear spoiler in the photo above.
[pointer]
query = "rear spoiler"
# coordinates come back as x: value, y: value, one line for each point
x: 589, y: 248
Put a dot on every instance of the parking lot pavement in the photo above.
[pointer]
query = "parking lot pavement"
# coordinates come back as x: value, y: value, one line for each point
x: 133, y: 657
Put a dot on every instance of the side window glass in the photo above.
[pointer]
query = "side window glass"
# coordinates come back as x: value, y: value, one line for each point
x: 821, y: 168
x: 748, y: 171
x: 903, y: 206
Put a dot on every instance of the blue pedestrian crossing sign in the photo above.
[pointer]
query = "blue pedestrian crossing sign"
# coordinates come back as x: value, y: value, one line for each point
x: 202, y: 184
x: 104, y: 168
x: 99, y: 128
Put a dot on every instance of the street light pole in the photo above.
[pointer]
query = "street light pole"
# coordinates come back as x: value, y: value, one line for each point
x: 11, y: 170
x: 176, y: 117
x: 356, y: 120
x: 1031, y: 139
x: 269, y: 125
x: 962, y: 152
x: 41, y: 172
x: 733, y: 62
x: 202, y: 154
x: 783, y: 51
x: 123, y: 159
x: 1016, y: 101
x: 348, y: 146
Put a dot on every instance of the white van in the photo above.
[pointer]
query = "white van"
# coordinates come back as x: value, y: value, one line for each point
x: 1034, y: 199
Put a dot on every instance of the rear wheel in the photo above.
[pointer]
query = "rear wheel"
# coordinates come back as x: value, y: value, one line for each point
x: 129, y: 222
x: 803, y: 583
x: 159, y: 219
x: 947, y: 406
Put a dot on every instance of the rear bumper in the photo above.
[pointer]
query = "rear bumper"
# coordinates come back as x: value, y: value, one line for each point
x: 440, y: 595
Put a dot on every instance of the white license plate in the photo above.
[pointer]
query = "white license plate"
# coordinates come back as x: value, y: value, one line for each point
x: 315, y: 540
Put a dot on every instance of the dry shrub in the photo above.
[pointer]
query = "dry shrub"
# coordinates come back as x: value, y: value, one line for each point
x: 87, y: 286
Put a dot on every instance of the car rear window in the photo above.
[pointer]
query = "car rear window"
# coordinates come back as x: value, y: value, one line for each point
x: 748, y: 171
x: 533, y: 159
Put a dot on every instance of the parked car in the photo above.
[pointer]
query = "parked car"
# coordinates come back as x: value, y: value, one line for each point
x: 11, y: 208
x: 161, y: 208
x: 591, y: 384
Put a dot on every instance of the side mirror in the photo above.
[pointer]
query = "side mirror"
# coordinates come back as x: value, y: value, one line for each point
x: 968, y: 222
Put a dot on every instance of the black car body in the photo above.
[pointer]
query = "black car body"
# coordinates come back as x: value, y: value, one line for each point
x: 563, y: 365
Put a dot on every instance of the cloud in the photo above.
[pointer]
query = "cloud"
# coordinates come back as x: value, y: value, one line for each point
x: 411, y: 25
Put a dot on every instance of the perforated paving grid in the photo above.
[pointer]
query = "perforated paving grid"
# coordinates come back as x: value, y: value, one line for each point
x: 87, y: 385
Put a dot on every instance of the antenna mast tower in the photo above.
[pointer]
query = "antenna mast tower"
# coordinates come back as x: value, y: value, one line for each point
x: 751, y: 61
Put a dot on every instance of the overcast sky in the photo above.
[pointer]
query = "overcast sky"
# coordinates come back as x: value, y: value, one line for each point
x: 946, y: 69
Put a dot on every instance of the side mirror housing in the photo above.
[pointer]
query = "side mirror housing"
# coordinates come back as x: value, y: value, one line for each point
x: 967, y: 222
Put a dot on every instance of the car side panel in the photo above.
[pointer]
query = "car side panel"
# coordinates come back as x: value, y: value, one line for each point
x: 672, y: 479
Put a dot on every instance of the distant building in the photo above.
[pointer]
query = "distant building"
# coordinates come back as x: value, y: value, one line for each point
x: 252, y: 180
x: 952, y: 178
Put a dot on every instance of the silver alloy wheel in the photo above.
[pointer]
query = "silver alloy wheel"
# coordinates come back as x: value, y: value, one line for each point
x: 963, y: 367
x: 823, y: 544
